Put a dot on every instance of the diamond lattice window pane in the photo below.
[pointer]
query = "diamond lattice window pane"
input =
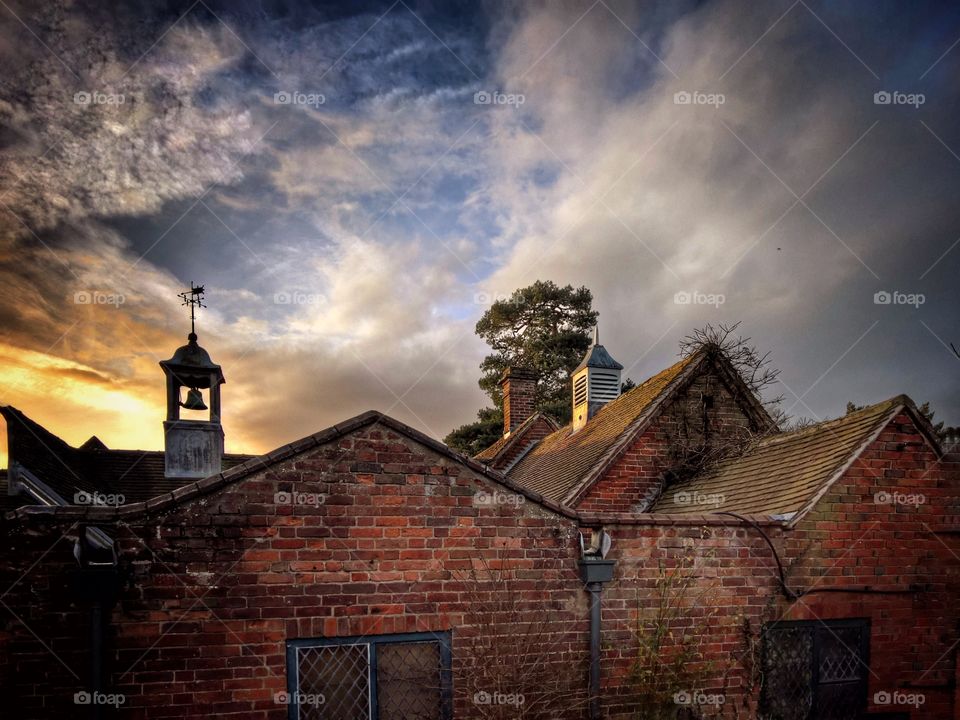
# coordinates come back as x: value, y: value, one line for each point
x: 788, y: 681
x: 339, y: 673
x: 408, y: 681
x: 840, y: 654
x: 798, y: 686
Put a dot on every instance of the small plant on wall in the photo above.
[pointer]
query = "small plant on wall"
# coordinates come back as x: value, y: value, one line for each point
x: 518, y: 653
x: 669, y: 674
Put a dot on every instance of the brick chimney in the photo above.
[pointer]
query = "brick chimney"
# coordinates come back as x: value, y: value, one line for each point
x: 519, y: 385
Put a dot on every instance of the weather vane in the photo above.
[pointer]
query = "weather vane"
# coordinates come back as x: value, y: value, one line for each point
x: 193, y: 298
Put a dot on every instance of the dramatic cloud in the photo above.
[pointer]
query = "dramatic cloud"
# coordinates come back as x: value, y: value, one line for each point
x: 354, y: 186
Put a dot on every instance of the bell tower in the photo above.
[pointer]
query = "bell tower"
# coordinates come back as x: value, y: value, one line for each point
x: 193, y: 448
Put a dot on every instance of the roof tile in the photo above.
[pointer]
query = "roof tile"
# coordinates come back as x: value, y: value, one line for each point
x: 783, y: 472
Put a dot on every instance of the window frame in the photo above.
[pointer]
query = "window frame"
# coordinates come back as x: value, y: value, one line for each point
x: 817, y: 627
x: 372, y: 642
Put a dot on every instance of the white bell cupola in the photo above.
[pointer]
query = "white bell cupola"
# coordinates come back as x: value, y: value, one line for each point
x: 596, y: 381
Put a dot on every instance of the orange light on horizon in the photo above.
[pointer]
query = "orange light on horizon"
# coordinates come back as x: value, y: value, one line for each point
x: 75, y: 401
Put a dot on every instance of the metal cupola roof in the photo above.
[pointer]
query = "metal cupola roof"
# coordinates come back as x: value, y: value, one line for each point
x: 597, y: 356
x: 192, y: 357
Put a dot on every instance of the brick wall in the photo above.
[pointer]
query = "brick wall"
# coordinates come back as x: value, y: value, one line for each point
x: 635, y: 478
x: 217, y: 585
x: 405, y: 540
x: 899, y: 565
x: 906, y: 552
x: 703, y: 585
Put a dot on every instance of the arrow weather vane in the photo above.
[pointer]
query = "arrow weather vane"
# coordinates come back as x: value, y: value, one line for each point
x: 193, y: 298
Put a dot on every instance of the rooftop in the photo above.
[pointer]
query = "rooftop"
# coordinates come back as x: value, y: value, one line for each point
x: 92, y: 467
x: 782, y: 473
x: 559, y: 461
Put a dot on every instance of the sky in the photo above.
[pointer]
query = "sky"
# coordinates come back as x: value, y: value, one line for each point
x: 354, y: 184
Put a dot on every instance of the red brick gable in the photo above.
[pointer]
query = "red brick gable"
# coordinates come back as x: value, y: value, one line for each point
x: 369, y: 532
x: 566, y: 464
x: 563, y: 459
x: 635, y: 479
x: 254, y: 465
x: 786, y: 474
x: 886, y: 531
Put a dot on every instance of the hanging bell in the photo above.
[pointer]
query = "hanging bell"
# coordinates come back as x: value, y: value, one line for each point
x: 194, y: 400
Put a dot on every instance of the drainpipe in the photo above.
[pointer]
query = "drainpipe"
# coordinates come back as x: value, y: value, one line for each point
x: 96, y: 655
x: 594, y: 572
x: 96, y: 582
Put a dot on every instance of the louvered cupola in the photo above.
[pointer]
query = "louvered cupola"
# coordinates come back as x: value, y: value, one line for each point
x: 596, y: 381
